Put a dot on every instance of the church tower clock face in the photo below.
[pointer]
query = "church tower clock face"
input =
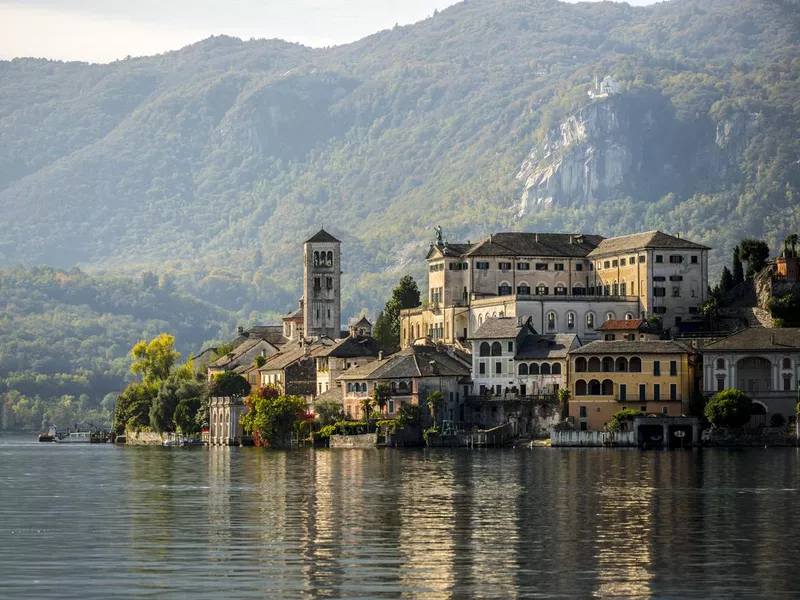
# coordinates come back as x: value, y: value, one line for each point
x: 322, y: 290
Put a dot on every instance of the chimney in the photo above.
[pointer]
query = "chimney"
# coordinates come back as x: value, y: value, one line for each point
x: 380, y: 354
x: 536, y: 236
x: 434, y: 367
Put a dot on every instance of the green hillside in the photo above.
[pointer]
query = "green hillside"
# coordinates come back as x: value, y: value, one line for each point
x: 65, y: 339
x: 214, y: 162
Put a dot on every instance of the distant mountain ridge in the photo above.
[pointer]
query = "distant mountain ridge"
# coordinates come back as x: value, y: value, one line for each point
x: 215, y: 162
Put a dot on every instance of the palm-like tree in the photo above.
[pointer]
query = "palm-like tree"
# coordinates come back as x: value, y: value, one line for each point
x: 434, y: 400
x: 381, y: 396
x: 366, y: 404
x: 791, y: 241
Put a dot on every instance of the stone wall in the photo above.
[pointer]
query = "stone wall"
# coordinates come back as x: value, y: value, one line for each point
x: 365, y: 440
x: 528, y: 418
x: 765, y: 436
x: 145, y: 438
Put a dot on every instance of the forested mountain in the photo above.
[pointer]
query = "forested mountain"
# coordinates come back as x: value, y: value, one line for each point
x: 214, y: 162
x: 66, y: 337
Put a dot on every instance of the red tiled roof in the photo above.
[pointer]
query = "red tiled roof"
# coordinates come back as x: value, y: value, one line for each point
x: 622, y: 324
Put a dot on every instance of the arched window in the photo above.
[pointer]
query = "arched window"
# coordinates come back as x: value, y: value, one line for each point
x: 787, y: 363
x: 329, y: 261
x: 615, y: 289
x: 542, y: 290
x: 594, y: 388
x: 545, y: 368
x: 608, y: 364
x: 607, y: 289
x: 523, y: 369
x: 720, y: 363
x: 635, y: 365
x: 534, y: 369
x: 349, y: 388
x: 621, y: 365
x: 578, y: 290
x: 403, y: 386
x: 633, y: 288
x: 551, y: 320
x: 561, y: 290
x: 485, y: 350
x: 594, y: 365
x: 570, y: 320
x: 393, y: 387
x: 610, y: 316
x: 480, y: 320
x: 580, y: 365
x: 623, y: 289
x: 580, y: 387
x: 608, y: 387
x: 523, y: 289
x: 589, y: 320
x: 497, y: 349
x: 504, y: 289
x: 556, y: 369
x: 628, y: 316
x: 316, y: 259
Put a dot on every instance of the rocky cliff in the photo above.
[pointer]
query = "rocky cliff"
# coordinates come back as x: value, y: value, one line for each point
x: 630, y: 144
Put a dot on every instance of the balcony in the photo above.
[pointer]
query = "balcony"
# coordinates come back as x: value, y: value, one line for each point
x: 514, y: 397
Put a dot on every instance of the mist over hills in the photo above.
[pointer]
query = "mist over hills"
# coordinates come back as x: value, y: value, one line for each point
x: 215, y: 162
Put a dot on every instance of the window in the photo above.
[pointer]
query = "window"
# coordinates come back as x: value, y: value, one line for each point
x: 676, y: 259
x: 504, y: 289
x: 317, y: 285
x: 787, y: 363
x: 558, y: 267
x: 676, y: 277
x: 660, y: 310
x: 560, y: 290
x: 545, y: 369
x: 523, y: 266
x: 622, y: 262
x: 329, y: 283
x: 504, y: 266
x: 482, y: 368
x: 615, y: 289
x: 583, y: 412
x: 578, y: 290
x: 610, y: 316
x: 665, y: 410
x: 659, y: 292
x: 673, y: 391
x: 511, y: 346
x: 542, y: 290
x: 541, y: 266
x: 551, y: 320
x: 623, y: 392
x: 656, y: 367
x: 694, y: 259
x: 676, y: 291
x: 720, y: 384
x: 606, y: 264
x: 485, y: 349
x: 522, y: 369
x: 673, y: 368
x: 524, y: 289
x: 615, y: 263
x: 632, y: 260
x: 642, y: 258
x: 657, y: 392
x: 579, y: 267
x: 497, y: 349
x: 659, y: 258
x: 570, y: 320
x: 556, y: 369
x: 391, y: 405
x: 787, y: 383
x: 642, y: 392
x: 659, y: 278
x: 720, y: 363
x: 693, y: 310
x: 482, y: 266
x: 498, y: 368
x: 623, y: 289
x: 590, y: 321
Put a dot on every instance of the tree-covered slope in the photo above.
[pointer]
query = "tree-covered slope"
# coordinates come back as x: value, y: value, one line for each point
x: 66, y: 337
x: 216, y: 161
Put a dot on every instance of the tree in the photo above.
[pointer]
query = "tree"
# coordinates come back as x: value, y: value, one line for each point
x: 435, y: 401
x: 381, y: 396
x: 409, y: 415
x: 563, y: 400
x: 185, y: 417
x: 172, y: 391
x: 366, y: 404
x: 738, y: 269
x: 154, y: 360
x: 382, y: 331
x: 404, y: 295
x: 271, y: 418
x: 328, y: 412
x: 755, y: 253
x: 791, y: 246
x: 228, y: 384
x: 729, y: 408
x: 260, y: 361
x: 622, y: 416
x: 726, y: 281
x: 132, y: 410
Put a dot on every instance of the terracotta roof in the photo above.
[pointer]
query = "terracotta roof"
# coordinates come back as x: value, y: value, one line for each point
x: 639, y: 241
x: 501, y: 328
x: 761, y: 339
x: 638, y: 347
x: 622, y: 325
x: 322, y: 236
x: 546, y: 346
x: 413, y: 361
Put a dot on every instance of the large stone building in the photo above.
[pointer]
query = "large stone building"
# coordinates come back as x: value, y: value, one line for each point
x: 763, y: 363
x: 567, y: 283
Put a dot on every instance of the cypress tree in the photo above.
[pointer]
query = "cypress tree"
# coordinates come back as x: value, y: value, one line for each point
x: 738, y: 268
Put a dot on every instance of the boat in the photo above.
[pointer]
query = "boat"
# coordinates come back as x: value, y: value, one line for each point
x: 47, y: 437
x: 74, y: 437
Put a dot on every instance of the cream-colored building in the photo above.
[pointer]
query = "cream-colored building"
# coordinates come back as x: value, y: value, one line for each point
x: 566, y: 283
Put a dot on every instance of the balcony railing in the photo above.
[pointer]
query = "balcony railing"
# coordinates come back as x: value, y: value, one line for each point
x: 512, y: 397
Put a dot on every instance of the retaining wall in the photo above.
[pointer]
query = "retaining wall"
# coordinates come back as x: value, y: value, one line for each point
x: 593, y: 438
x: 145, y: 438
x: 364, y: 440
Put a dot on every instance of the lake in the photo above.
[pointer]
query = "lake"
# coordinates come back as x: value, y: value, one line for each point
x: 98, y: 521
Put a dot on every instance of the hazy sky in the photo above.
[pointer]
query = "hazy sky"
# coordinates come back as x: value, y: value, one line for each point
x: 105, y: 30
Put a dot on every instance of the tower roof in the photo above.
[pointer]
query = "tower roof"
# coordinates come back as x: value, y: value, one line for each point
x: 322, y: 236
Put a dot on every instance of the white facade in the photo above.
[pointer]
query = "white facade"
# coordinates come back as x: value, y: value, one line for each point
x: 225, y: 415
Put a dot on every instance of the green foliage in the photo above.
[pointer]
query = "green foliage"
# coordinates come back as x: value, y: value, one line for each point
x: 409, y: 415
x: 729, y: 408
x: 272, y: 419
x: 387, y: 327
x: 738, y: 268
x: 328, y: 412
x: 785, y: 310
x: 434, y: 402
x: 382, y: 331
x: 229, y: 384
x: 325, y: 432
x: 389, y: 425
x: 260, y: 361
x: 171, y: 393
x: 381, y: 396
x: 132, y: 409
x: 154, y: 360
x: 622, y: 416
x: 185, y: 417
x: 755, y: 253
x: 726, y: 282
x: 430, y: 431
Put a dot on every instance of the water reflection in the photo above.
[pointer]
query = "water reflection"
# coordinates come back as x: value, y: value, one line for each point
x: 535, y: 523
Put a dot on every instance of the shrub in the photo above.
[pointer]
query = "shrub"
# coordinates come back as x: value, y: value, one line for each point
x: 777, y: 420
x: 409, y: 415
x: 429, y: 432
x: 730, y: 408
x: 389, y: 424
x: 622, y: 416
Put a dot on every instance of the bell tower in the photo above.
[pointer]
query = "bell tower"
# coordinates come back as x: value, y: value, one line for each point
x: 322, y: 290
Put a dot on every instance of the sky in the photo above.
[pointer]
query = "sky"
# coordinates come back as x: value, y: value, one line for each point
x: 107, y: 30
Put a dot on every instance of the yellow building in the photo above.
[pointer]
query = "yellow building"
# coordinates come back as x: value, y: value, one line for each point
x: 654, y: 377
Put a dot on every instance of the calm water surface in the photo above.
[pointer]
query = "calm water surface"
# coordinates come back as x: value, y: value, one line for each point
x: 101, y: 521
